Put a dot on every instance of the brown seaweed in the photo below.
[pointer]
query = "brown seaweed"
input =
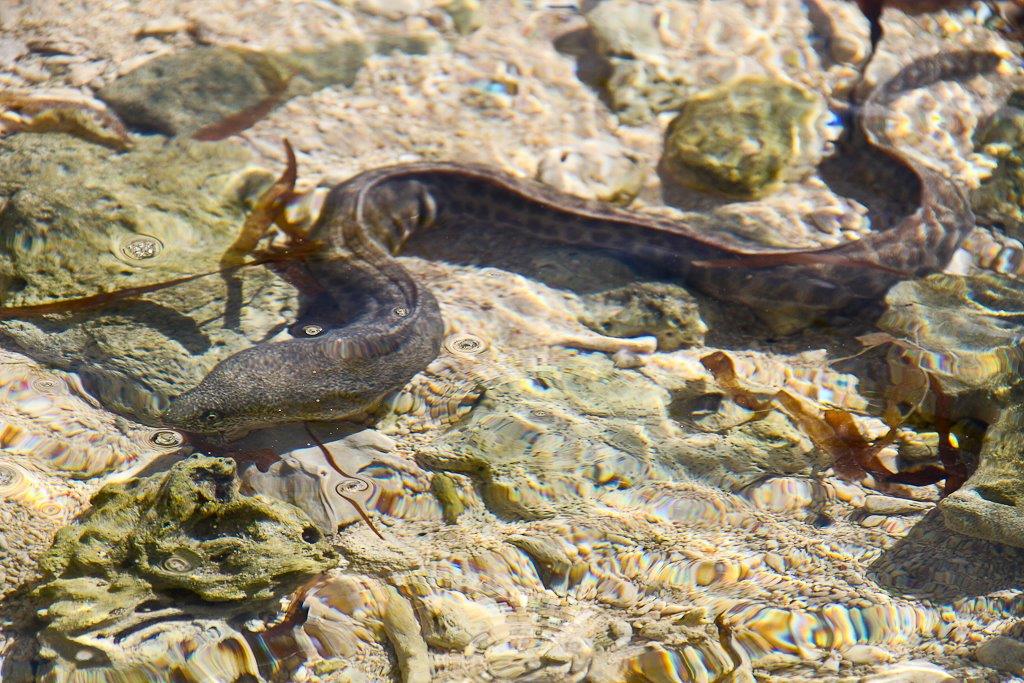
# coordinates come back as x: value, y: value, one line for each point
x: 836, y: 433
x: 833, y: 431
x: 268, y: 211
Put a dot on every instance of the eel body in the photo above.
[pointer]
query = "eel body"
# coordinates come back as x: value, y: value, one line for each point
x: 371, y: 327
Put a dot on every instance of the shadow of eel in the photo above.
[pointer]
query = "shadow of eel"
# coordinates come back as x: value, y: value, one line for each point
x: 341, y: 364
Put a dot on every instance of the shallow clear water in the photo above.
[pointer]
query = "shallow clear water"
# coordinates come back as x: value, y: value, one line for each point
x: 689, y: 352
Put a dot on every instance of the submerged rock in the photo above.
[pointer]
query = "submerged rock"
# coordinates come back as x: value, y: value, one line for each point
x: 534, y: 446
x: 163, y: 542
x: 1000, y: 198
x: 1002, y: 653
x: 991, y: 504
x: 191, y: 92
x: 80, y: 220
x: 960, y: 331
x: 743, y: 139
x: 666, y: 311
x: 311, y: 481
x: 178, y: 650
x: 627, y: 38
x: 965, y: 335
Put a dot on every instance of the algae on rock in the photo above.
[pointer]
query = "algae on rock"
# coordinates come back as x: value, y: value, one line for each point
x: 745, y: 138
x: 162, y: 542
x: 81, y: 219
x: 627, y: 38
x: 664, y: 310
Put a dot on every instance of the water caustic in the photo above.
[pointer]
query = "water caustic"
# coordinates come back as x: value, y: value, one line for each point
x: 564, y: 342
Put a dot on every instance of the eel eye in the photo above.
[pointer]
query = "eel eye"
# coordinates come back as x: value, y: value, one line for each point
x: 312, y: 330
x: 210, y: 417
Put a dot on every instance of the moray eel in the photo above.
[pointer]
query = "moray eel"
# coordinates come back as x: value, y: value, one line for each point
x: 341, y: 364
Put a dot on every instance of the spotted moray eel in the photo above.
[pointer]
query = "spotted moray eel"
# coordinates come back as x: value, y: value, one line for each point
x: 340, y: 364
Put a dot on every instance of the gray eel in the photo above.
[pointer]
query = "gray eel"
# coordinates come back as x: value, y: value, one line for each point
x: 340, y: 365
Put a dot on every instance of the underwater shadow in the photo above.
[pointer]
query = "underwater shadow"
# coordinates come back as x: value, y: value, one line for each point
x: 168, y: 322
x: 933, y: 563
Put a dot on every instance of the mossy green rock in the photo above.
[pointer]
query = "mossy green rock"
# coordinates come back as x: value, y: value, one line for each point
x: 743, y: 139
x: 1000, y: 198
x: 71, y: 208
x: 663, y: 310
x: 165, y: 540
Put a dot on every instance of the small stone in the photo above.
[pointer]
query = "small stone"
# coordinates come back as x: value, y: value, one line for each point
x: 391, y: 9
x: 625, y: 28
x: 627, y: 360
x: 81, y: 74
x: 909, y: 672
x: 594, y: 169
x: 871, y: 521
x: 620, y: 630
x: 447, y: 494
x: 776, y: 562
x: 180, y: 93
x: 165, y: 26
x: 887, y: 505
x: 1002, y: 653
x: 33, y: 74
x: 408, y: 43
x: 665, y: 311
x: 465, y: 14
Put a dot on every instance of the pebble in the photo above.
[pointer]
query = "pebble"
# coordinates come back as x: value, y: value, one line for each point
x: 621, y: 630
x: 164, y: 26
x: 593, y: 169
x: 872, y: 521
x: 776, y: 562
x: 627, y: 360
x: 391, y: 9
x: 32, y: 74
x: 866, y: 654
x: 909, y: 672
x: 81, y: 74
x: 887, y: 505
